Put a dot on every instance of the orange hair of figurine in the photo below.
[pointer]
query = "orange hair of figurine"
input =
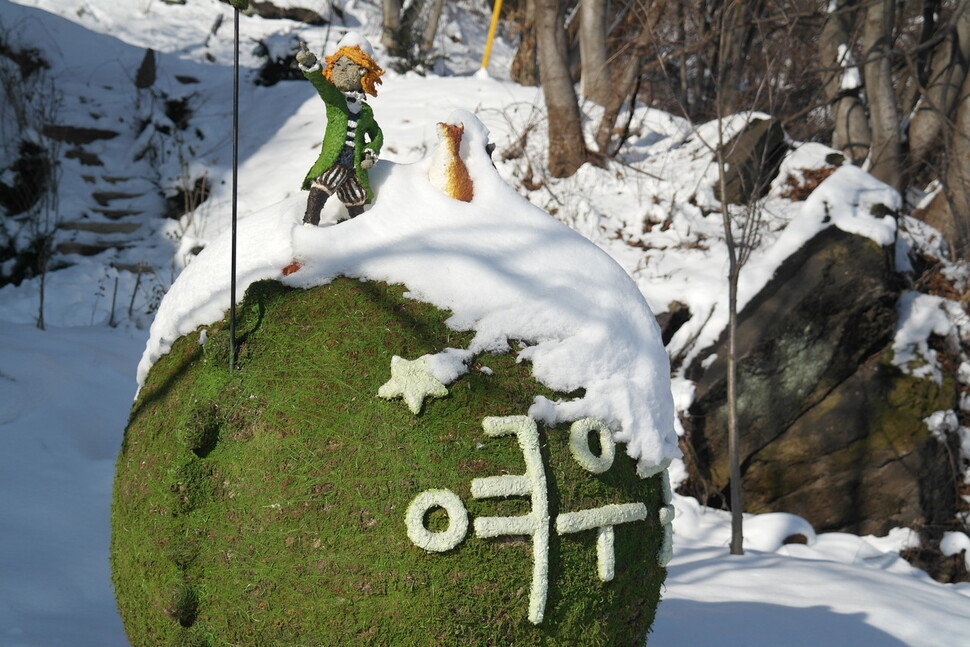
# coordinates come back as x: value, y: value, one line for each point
x: 372, y: 71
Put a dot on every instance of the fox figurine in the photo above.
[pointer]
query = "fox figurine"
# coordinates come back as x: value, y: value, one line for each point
x: 448, y: 172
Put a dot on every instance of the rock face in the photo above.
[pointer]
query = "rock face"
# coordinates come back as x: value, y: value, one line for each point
x: 830, y: 429
x: 752, y: 158
x: 862, y: 459
x: 290, y: 502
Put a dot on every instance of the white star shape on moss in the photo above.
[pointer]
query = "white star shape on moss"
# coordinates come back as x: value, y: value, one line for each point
x: 411, y: 380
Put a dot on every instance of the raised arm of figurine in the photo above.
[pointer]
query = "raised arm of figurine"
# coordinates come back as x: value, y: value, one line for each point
x: 305, y: 58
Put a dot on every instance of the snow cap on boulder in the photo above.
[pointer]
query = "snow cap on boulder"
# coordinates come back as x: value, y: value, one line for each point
x: 506, y: 271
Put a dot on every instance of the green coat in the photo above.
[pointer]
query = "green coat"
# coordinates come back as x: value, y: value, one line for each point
x: 333, y: 140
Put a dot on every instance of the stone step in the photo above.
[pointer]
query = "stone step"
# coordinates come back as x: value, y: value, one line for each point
x: 97, y: 227
x: 104, y: 198
x: 117, y: 214
x: 87, y: 249
x: 77, y: 135
x: 136, y: 185
x: 84, y: 157
x: 134, y: 268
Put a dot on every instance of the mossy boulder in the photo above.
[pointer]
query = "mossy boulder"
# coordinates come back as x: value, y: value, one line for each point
x: 267, y: 505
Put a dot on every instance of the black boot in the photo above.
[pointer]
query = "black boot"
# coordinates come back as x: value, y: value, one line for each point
x: 355, y: 210
x: 314, y: 205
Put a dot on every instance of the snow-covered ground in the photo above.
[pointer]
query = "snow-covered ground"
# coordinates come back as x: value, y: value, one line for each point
x: 65, y: 391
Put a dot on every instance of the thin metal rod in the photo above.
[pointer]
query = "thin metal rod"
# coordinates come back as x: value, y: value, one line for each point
x: 235, y: 177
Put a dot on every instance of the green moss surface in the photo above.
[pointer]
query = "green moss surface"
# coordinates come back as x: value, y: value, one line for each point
x: 266, y: 505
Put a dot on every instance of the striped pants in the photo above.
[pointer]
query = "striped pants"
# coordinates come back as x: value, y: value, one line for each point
x: 343, y: 181
x: 340, y: 180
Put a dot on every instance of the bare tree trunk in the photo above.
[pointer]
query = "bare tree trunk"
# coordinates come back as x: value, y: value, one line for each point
x: 604, y: 132
x: 431, y: 28
x: 734, y: 441
x: 730, y: 56
x: 43, y: 263
x: 701, y: 68
x: 630, y: 61
x: 948, y: 69
x: 734, y: 271
x: 956, y: 180
x: 525, y: 65
x: 595, y: 78
x: 682, y: 61
x: 391, y: 24
x: 734, y: 437
x: 885, y: 152
x: 567, y: 148
x: 851, y: 126
x: 913, y: 84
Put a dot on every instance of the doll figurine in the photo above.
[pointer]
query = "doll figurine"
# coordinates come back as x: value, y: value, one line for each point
x: 353, y: 139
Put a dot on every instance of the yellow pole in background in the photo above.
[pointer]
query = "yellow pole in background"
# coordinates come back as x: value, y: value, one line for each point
x: 491, y: 33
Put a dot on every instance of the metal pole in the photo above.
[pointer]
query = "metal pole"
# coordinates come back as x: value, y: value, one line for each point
x: 497, y: 9
x: 235, y: 177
